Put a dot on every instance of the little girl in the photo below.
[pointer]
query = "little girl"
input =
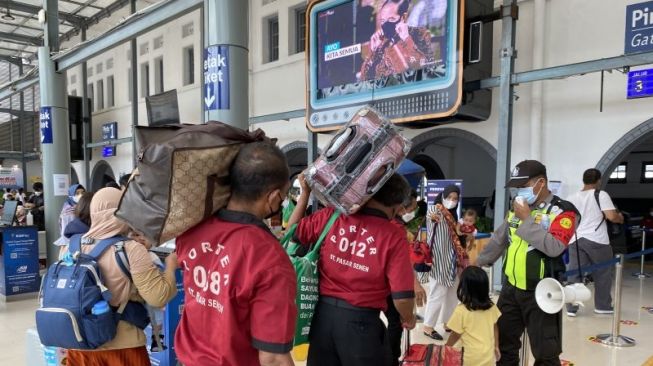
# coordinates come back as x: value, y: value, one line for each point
x: 474, y: 321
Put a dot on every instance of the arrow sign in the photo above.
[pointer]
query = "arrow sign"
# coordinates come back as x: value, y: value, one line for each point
x: 209, y: 99
x: 216, y: 77
x: 45, y: 119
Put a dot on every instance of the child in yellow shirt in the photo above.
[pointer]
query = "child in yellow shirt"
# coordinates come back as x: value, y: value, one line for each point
x: 474, y: 321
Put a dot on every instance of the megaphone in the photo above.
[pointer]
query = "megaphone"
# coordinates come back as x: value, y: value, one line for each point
x: 551, y: 295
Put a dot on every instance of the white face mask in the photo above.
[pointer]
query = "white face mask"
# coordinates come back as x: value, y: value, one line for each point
x: 449, y: 204
x: 38, y: 193
x: 77, y: 197
x: 407, y: 217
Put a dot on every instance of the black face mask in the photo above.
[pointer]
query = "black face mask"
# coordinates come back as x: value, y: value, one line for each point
x: 390, y: 29
x: 275, y: 212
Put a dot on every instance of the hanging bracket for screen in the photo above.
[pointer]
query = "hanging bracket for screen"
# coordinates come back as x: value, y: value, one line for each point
x: 405, y: 58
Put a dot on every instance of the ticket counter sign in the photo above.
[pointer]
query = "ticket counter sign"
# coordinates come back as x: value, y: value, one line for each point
x: 639, y: 28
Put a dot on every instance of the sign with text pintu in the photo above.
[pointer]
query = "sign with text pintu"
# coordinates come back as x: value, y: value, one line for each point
x: 639, y: 28
x: 216, y: 77
x: 45, y: 117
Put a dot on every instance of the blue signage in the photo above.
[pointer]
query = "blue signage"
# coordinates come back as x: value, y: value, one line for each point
x: 436, y: 186
x: 110, y: 131
x: 108, y: 151
x: 216, y: 77
x: 639, y: 28
x: 170, y: 319
x: 640, y: 84
x: 19, y: 263
x: 45, y: 117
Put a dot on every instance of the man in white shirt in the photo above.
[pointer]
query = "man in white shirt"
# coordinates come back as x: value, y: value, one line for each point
x: 593, y: 242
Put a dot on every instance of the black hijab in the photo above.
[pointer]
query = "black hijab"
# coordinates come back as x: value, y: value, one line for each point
x: 447, y: 191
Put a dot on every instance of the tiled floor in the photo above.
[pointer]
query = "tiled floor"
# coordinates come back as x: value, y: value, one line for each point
x: 16, y: 317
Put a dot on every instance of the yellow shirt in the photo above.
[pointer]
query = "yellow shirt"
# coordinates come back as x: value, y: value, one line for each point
x: 476, y: 329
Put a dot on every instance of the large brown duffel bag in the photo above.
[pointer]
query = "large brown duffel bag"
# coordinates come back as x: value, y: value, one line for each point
x: 182, y: 176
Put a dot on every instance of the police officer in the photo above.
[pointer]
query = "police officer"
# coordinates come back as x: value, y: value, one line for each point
x: 532, y: 241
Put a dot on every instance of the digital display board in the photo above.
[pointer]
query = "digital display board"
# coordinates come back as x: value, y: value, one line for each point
x: 108, y: 151
x: 640, y: 84
x: 402, y: 56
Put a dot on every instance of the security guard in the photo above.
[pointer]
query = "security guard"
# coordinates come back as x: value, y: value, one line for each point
x: 533, y: 238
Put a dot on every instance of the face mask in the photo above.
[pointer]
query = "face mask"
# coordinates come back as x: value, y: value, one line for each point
x: 389, y: 29
x: 275, y: 212
x: 528, y: 194
x: 449, y: 204
x: 76, y: 198
x: 407, y: 217
x: 38, y: 193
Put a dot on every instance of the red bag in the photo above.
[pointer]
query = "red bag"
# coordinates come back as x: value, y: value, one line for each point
x: 430, y: 354
x: 420, y: 256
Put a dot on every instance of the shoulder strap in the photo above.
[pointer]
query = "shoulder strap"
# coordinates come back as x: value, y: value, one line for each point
x: 121, y: 255
x: 75, y: 244
x: 597, y: 192
x: 327, y: 228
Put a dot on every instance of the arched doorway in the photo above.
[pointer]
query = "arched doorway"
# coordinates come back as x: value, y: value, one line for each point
x: 625, y: 178
x: 451, y: 153
x: 297, y: 156
x: 102, y: 174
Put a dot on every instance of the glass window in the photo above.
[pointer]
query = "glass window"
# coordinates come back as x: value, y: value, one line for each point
x: 100, y: 95
x: 619, y: 174
x: 647, y: 171
x: 158, y: 71
x: 300, y: 30
x: 110, y: 92
x: 145, y: 80
x: 189, y: 65
x: 273, y: 39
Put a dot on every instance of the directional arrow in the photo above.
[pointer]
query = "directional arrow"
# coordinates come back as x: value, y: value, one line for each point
x: 209, y: 99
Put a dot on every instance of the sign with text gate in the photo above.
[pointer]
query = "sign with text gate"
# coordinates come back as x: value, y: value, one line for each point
x: 639, y: 28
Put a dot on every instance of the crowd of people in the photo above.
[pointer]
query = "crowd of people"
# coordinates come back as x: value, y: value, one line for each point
x: 240, y: 287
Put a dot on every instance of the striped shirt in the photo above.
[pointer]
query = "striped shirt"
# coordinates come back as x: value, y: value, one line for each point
x: 443, y: 271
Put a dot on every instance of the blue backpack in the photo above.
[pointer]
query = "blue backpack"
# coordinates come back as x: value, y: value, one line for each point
x: 69, y: 292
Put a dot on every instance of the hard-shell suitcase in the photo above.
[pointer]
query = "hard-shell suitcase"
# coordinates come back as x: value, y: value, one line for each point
x: 357, y: 161
x: 430, y: 354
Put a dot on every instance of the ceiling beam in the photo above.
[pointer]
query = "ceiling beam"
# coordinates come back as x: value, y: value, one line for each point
x: 33, y: 9
x: 95, y: 19
x: 9, y: 37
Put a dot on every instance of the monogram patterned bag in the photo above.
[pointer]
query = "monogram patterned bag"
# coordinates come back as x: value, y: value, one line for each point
x: 181, y: 177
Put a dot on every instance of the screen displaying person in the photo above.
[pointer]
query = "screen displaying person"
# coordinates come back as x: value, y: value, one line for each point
x: 395, y: 47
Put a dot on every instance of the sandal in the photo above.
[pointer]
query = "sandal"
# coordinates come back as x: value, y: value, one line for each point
x: 434, y: 335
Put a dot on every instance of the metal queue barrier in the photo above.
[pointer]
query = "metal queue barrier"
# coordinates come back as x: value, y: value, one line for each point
x: 641, y: 273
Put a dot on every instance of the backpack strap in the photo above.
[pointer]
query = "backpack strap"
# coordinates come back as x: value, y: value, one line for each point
x: 75, y: 244
x: 121, y: 256
x: 597, y: 192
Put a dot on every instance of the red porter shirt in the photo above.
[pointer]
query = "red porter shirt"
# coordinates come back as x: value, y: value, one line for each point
x: 363, y: 258
x: 239, y: 293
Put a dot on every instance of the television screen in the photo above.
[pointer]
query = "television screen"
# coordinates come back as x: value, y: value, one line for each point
x: 369, y: 51
x: 362, y: 41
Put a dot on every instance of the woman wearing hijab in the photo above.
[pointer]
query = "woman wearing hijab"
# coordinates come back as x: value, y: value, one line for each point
x: 68, y: 211
x: 148, y: 285
x: 448, y: 260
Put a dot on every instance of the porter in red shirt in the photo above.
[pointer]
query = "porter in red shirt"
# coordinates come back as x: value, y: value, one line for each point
x: 239, y: 293
x: 363, y: 258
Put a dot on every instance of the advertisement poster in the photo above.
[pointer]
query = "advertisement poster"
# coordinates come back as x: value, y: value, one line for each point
x: 19, y: 265
x: 436, y: 186
x: 11, y: 178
